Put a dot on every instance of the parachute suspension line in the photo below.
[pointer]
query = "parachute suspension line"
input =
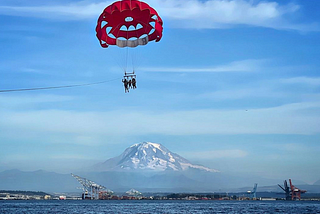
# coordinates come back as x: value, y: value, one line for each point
x: 127, y: 55
x: 122, y: 54
x: 133, y: 55
x: 126, y: 59
x: 132, y: 60
x: 57, y: 87
x: 116, y: 59
x: 119, y: 60
x: 135, y: 58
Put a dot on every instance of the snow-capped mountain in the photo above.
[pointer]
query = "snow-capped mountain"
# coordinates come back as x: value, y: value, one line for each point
x: 148, y: 156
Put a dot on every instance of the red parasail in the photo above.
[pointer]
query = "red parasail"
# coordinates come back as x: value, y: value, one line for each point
x: 128, y: 23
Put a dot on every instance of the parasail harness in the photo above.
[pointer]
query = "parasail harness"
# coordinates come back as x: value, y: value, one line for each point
x: 129, y: 81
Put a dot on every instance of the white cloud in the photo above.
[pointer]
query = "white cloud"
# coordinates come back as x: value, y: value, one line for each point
x: 184, y: 13
x: 249, y: 65
x: 69, y: 156
x: 295, y: 147
x: 18, y: 101
x: 242, y: 93
x: 227, y: 13
x: 233, y: 153
x: 314, y: 81
x: 31, y: 70
x: 268, y: 88
x: 74, y: 11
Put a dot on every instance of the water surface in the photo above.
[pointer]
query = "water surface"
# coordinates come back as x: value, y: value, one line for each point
x: 85, y: 206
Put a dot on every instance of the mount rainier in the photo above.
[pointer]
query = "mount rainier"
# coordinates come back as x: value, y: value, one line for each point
x: 148, y: 156
x: 147, y: 167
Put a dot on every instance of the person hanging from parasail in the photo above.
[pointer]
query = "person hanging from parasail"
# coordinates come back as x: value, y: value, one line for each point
x: 133, y: 83
x: 128, y: 23
x: 125, y: 84
x: 130, y: 83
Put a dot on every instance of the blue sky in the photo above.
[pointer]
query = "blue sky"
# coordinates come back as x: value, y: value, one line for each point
x: 233, y: 85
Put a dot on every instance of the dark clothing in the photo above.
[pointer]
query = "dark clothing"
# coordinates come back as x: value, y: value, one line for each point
x: 129, y: 83
x: 125, y: 83
x: 133, y: 83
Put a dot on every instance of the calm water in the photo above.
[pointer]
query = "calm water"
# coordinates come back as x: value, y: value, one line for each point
x: 158, y: 207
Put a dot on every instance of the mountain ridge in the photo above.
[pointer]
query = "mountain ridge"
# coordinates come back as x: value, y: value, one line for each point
x: 172, y: 181
x: 145, y: 166
x: 148, y: 156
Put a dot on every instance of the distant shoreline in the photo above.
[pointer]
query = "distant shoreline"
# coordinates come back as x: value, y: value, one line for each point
x: 242, y: 196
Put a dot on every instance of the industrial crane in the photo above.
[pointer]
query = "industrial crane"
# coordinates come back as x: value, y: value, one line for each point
x: 292, y: 192
x: 295, y: 192
x: 90, y: 189
x: 286, y: 189
x: 253, y: 193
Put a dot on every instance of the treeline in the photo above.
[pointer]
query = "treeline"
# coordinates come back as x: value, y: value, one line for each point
x: 31, y: 193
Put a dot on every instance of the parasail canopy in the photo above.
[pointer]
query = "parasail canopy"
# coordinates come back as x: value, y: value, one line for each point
x: 128, y: 23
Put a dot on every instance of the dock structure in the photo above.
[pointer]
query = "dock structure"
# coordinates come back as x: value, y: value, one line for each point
x: 91, y: 190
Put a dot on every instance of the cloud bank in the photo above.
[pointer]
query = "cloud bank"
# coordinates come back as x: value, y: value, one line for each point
x: 43, y: 124
x: 249, y: 65
x: 183, y: 13
x: 314, y: 81
x: 216, y: 154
